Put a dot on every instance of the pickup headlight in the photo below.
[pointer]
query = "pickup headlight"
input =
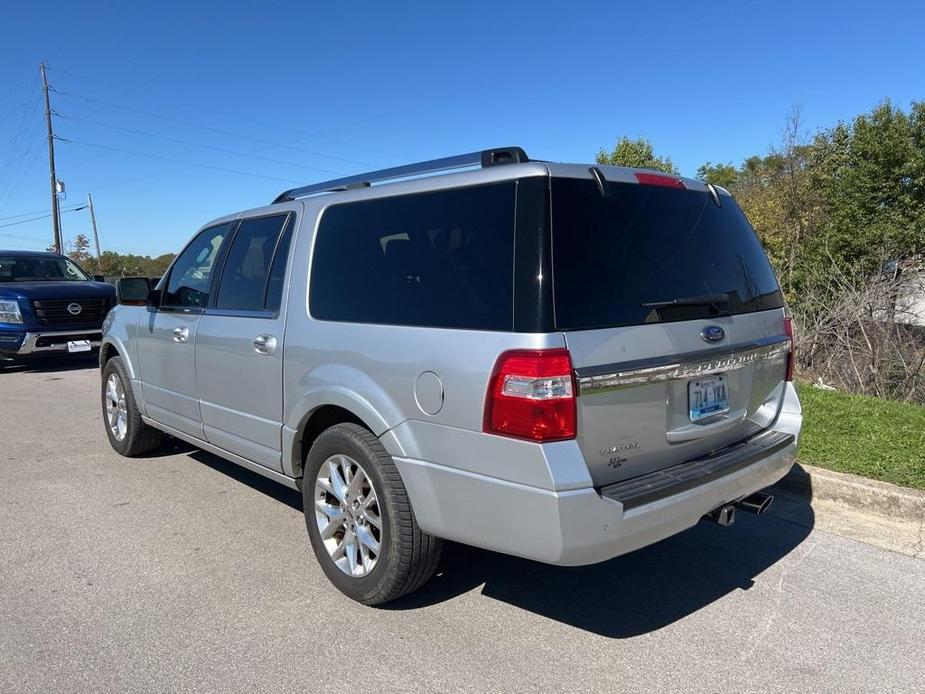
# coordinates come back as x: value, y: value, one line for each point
x: 9, y: 311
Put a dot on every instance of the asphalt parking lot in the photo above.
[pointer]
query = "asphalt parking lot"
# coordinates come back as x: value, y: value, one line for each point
x: 181, y: 572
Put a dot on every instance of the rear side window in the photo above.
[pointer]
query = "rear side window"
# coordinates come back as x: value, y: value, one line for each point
x: 441, y: 259
x: 278, y: 270
x: 191, y: 273
x: 246, y: 277
x: 619, y: 259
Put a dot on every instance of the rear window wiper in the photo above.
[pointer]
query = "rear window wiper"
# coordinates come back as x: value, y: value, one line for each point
x: 714, y: 300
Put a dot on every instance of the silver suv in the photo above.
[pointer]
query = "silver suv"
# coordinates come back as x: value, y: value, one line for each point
x: 555, y: 361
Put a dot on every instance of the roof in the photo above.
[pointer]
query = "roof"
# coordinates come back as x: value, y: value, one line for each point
x: 513, y: 161
x: 452, y: 172
x: 28, y: 254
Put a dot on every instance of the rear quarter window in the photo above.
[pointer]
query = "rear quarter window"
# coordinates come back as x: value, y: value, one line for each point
x: 644, y: 244
x: 437, y: 259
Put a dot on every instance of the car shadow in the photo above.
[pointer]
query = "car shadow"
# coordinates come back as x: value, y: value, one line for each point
x: 50, y: 364
x: 170, y: 446
x: 628, y: 596
x: 275, y: 490
x: 797, y: 482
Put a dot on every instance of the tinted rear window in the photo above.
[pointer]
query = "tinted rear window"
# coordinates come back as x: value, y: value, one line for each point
x: 247, y: 269
x: 645, y: 244
x: 440, y: 259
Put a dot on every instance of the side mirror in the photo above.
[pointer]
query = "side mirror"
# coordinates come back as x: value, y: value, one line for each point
x: 133, y: 291
x: 153, y: 300
x: 99, y: 278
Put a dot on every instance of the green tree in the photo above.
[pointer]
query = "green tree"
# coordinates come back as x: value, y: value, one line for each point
x: 833, y: 210
x: 636, y: 153
x: 718, y: 174
x: 128, y: 265
x: 78, y: 250
x: 871, y: 173
x: 852, y: 195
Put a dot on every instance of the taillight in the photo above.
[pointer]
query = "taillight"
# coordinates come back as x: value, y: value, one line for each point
x: 651, y: 179
x: 791, y: 355
x: 531, y: 395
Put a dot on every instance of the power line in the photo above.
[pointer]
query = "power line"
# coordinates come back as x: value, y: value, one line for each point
x: 176, y: 161
x: 44, y: 216
x: 26, y: 121
x: 221, y: 131
x: 9, y: 93
x: 20, y: 145
x: 119, y: 85
x: 20, y: 237
x: 26, y: 221
x: 20, y: 140
x: 27, y: 214
x: 16, y: 180
x: 231, y: 114
x: 137, y: 88
x: 196, y: 144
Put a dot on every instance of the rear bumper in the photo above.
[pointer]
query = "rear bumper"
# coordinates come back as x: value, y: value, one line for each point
x: 46, y: 341
x: 579, y: 526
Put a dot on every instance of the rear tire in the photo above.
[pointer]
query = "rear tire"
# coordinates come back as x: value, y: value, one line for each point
x: 373, y: 550
x: 128, y: 434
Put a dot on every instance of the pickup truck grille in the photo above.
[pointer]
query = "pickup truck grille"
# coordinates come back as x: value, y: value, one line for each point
x: 56, y: 312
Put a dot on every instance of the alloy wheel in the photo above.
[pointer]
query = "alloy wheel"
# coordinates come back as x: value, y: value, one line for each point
x: 348, y: 516
x: 116, y: 408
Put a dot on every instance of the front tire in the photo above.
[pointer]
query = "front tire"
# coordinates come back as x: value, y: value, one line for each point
x: 360, y: 523
x: 127, y: 432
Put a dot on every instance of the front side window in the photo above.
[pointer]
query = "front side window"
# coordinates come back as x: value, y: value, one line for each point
x: 191, y: 274
x: 38, y: 268
x: 246, y: 275
x: 439, y: 259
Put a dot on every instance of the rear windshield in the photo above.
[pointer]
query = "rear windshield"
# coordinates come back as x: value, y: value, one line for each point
x: 623, y: 258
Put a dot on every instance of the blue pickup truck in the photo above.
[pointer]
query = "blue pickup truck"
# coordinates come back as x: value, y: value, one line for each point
x: 48, y: 305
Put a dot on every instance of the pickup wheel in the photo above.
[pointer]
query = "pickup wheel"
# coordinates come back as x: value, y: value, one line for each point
x: 360, y: 522
x: 128, y: 434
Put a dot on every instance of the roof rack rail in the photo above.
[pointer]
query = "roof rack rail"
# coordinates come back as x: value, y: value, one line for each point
x: 483, y: 158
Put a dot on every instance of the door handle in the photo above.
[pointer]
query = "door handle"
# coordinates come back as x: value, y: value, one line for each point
x: 264, y: 344
x: 180, y: 334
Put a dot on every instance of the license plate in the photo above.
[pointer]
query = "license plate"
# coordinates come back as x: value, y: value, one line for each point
x: 707, y: 397
x: 78, y: 346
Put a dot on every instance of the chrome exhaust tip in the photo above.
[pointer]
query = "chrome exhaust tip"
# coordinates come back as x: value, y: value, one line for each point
x: 724, y: 515
x: 756, y: 503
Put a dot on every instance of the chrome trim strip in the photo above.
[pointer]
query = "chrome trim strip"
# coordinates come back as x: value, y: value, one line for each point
x: 681, y: 358
x: 29, y: 346
x: 679, y: 369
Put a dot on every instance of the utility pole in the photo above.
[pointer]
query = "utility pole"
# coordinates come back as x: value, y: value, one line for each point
x: 96, y: 236
x: 55, y: 216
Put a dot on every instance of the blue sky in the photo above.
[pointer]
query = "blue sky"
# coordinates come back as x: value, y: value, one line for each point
x: 149, y: 94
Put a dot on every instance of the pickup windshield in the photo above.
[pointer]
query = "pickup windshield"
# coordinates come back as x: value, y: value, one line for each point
x: 39, y: 269
x: 652, y: 254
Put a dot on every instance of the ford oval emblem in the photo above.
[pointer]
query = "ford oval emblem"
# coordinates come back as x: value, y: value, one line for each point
x: 712, y: 333
x: 74, y: 309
